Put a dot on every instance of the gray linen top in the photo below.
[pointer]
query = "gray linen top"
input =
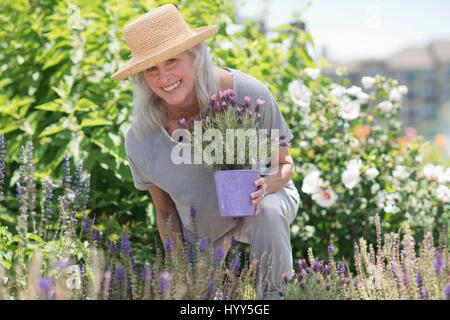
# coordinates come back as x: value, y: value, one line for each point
x: 193, y: 185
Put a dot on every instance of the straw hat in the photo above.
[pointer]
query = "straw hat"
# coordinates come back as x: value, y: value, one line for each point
x: 157, y: 36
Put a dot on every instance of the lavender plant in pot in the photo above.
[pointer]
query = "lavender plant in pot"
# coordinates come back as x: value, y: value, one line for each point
x: 229, y: 140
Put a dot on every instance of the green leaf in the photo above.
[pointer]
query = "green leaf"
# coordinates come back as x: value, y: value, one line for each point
x: 35, y: 237
x: 57, y: 58
x: 94, y: 122
x: 51, y: 130
x: 52, y: 106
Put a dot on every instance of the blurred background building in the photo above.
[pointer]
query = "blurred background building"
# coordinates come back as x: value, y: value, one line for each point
x: 424, y: 69
x: 404, y: 39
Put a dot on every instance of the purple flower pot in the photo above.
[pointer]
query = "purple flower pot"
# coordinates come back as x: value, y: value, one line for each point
x: 233, y: 189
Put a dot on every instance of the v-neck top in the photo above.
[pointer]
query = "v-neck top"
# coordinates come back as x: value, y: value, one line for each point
x: 192, y: 185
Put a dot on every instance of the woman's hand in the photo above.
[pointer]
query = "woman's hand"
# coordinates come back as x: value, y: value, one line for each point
x: 282, y: 167
x: 257, y: 196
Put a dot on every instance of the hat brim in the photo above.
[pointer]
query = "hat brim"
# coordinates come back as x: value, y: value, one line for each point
x: 136, y: 65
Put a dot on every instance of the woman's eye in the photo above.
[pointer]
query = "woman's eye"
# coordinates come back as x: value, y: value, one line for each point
x: 170, y: 61
x: 151, y: 69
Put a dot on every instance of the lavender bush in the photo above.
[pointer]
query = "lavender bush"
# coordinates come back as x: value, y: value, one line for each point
x: 391, y: 270
x: 60, y: 254
x: 230, y: 125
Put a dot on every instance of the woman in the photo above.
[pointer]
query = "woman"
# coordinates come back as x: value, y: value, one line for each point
x: 174, y: 78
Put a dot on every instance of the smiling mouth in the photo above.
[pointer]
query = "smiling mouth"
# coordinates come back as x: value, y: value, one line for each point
x: 172, y: 87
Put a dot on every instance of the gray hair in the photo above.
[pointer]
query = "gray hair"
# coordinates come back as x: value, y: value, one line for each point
x: 149, y: 110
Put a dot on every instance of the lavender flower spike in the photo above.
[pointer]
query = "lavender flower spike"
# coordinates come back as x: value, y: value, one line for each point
x: 438, y: 262
x: 447, y: 292
x: 164, y: 282
x: 219, y: 254
x: 125, y: 244
x: 45, y: 287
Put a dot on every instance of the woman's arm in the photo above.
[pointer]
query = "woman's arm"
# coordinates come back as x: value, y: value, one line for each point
x: 165, y: 210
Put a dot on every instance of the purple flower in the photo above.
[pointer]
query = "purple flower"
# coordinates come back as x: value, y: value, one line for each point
x: 419, y: 280
x: 120, y: 275
x: 328, y: 287
x: 204, y: 244
x: 191, y: 255
x: 164, y: 281
x: 168, y: 245
x: 183, y: 122
x: 302, y: 285
x: 447, y: 292
x: 87, y: 223
x: 211, y: 285
x: 327, y: 270
x: 259, y: 103
x: 112, y: 247
x: 192, y: 211
x: 317, y: 266
x: 236, y: 263
x: 234, y: 242
x: 330, y: 249
x: 146, y: 273
x: 302, y: 274
x: 340, y: 268
x: 438, y: 262
x: 97, y: 236
x: 125, y: 243
x: 302, y: 264
x: 219, y: 254
x: 246, y: 104
x: 423, y: 293
x: 286, y: 277
x: 45, y: 287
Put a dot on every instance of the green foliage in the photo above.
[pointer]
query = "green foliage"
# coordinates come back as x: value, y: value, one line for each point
x: 57, y: 58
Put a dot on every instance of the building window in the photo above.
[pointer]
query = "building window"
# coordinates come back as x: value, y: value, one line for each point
x: 429, y: 93
x: 411, y: 114
x: 430, y: 111
x: 409, y: 76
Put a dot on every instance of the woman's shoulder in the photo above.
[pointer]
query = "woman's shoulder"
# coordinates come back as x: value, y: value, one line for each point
x: 137, y: 138
x: 248, y: 85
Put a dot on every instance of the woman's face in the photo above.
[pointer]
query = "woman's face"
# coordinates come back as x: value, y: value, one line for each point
x: 173, y: 80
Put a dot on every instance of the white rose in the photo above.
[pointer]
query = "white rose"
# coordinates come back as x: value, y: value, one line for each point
x: 325, y: 198
x: 395, y: 95
x: 300, y: 94
x: 351, y: 176
x: 354, y: 91
x: 432, y: 172
x: 403, y: 90
x: 445, y: 178
x: 372, y: 173
x: 337, y: 91
x: 312, y: 182
x: 368, y: 82
x: 386, y: 106
x: 443, y: 193
x: 312, y: 73
x: 400, y: 173
x: 349, y: 109
x: 363, y: 97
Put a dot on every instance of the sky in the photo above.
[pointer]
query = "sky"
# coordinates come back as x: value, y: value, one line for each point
x: 361, y: 29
